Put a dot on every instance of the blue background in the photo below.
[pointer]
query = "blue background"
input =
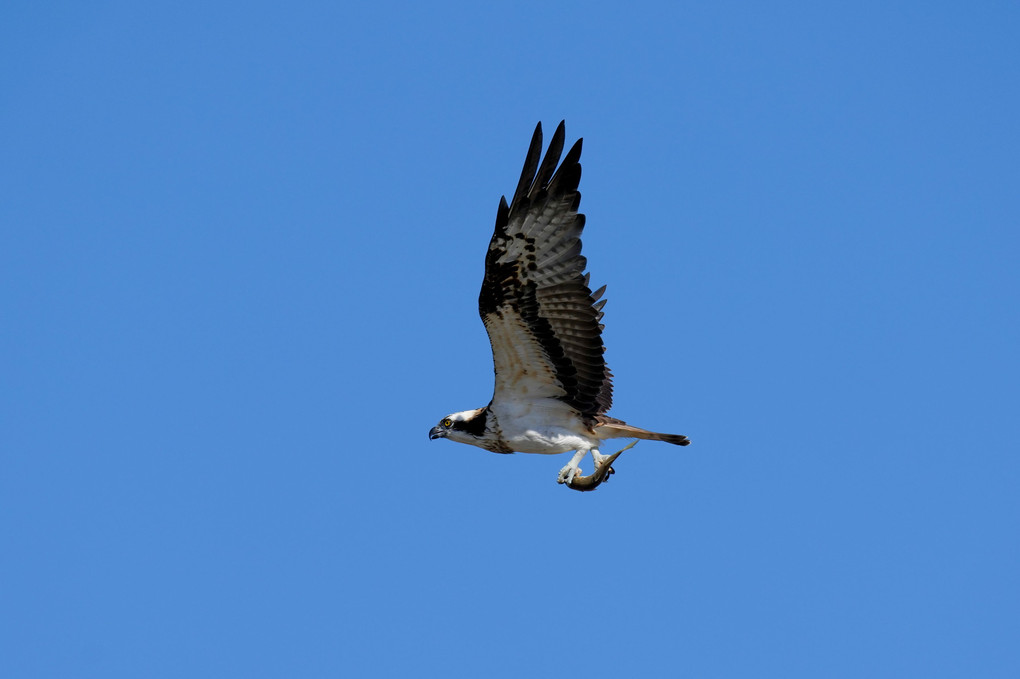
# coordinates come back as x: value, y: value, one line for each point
x: 241, y: 248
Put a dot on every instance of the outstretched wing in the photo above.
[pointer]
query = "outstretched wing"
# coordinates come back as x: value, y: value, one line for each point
x: 543, y: 320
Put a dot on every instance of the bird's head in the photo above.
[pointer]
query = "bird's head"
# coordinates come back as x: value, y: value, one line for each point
x: 467, y: 426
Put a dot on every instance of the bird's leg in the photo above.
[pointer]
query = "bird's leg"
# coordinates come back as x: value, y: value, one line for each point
x: 598, y: 458
x: 568, y: 473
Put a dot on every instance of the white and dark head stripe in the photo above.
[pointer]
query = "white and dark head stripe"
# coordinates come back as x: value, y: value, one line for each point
x: 473, y: 424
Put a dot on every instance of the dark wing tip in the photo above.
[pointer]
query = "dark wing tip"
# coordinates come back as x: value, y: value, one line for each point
x: 568, y: 176
x: 574, y: 154
x: 502, y: 213
x: 530, y: 166
x: 552, y: 158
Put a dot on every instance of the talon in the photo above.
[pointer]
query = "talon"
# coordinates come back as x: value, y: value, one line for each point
x: 567, y: 474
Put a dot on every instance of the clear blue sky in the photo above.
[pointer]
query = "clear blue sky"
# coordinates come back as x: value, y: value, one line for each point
x: 241, y: 248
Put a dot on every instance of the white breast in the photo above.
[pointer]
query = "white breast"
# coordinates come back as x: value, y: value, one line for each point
x: 545, y: 426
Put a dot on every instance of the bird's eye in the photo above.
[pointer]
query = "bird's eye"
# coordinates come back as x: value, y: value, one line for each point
x: 447, y: 422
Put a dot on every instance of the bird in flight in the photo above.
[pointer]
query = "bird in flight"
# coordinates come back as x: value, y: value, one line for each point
x: 553, y: 387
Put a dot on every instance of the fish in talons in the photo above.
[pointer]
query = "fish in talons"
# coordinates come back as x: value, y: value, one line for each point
x: 602, y: 473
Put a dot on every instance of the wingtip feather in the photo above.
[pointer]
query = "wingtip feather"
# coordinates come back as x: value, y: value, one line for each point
x: 530, y: 165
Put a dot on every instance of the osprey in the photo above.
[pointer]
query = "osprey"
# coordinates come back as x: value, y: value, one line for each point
x: 553, y: 387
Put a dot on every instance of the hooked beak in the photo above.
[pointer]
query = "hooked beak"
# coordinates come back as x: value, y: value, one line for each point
x: 437, y: 433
